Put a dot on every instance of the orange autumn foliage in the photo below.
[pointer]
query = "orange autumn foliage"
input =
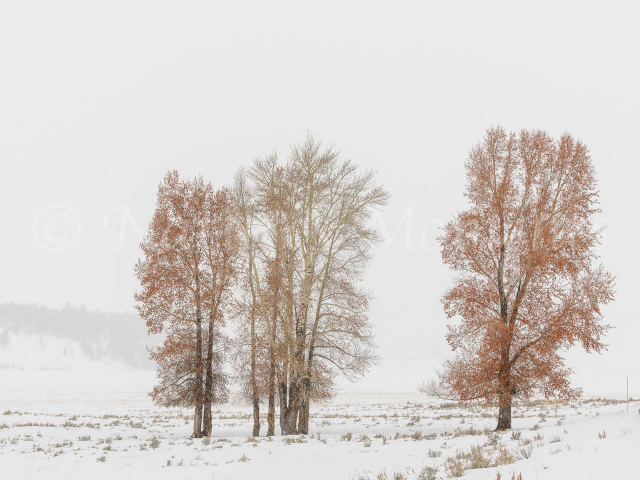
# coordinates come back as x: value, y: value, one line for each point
x: 186, y: 274
x: 530, y: 282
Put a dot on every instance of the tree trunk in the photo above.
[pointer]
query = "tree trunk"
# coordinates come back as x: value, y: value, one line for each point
x: 505, y: 395
x: 206, y: 420
x: 271, y: 415
x: 256, y: 416
x: 306, y: 399
x: 197, y: 422
x: 208, y: 382
x: 197, y: 418
x: 299, y: 401
x: 291, y: 411
x: 504, y: 376
x: 254, y: 386
x: 303, y: 424
x: 295, y: 391
x: 282, y: 390
x: 504, y: 417
x: 291, y: 421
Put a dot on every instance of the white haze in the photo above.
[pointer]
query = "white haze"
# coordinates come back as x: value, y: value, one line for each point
x: 97, y: 101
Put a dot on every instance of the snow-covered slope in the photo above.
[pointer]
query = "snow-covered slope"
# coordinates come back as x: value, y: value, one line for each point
x: 45, y: 352
x: 34, y: 337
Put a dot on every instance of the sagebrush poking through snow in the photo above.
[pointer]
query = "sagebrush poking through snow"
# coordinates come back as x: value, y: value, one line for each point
x: 379, y: 444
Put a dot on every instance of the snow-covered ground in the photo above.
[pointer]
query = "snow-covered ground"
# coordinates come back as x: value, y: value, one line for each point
x: 64, y: 415
x: 100, y: 424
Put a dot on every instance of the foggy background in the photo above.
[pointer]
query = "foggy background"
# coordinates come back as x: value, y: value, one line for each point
x: 97, y: 101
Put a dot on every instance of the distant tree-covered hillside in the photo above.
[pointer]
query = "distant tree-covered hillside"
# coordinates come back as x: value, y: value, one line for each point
x: 101, y: 335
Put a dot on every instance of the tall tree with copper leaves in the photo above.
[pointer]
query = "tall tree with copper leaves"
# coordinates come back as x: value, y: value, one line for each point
x: 186, y: 274
x: 530, y: 282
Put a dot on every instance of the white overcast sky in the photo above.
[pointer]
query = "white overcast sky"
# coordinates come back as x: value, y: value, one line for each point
x: 99, y: 99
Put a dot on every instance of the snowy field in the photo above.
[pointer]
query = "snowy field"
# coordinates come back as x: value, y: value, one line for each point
x: 105, y: 427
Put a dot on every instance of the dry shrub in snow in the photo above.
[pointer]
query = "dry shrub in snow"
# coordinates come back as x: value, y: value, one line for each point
x: 454, y: 467
x: 428, y: 473
x: 505, y: 457
x: 434, y: 453
x: 478, y: 458
x: 526, y: 451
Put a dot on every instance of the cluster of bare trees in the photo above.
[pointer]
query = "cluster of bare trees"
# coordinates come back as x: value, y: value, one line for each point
x: 307, y: 241
x: 291, y: 243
